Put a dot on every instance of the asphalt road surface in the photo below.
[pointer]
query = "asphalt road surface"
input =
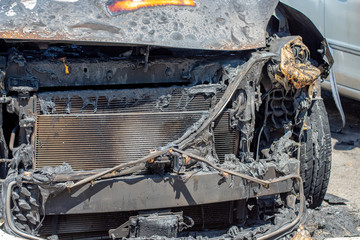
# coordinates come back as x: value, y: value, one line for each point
x: 345, y: 172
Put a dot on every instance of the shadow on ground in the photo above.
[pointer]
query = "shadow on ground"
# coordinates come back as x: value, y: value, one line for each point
x: 349, y: 137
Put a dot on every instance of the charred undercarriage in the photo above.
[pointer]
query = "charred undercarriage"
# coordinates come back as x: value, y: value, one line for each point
x: 149, y: 141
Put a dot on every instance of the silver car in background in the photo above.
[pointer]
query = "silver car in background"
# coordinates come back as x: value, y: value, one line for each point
x: 338, y: 21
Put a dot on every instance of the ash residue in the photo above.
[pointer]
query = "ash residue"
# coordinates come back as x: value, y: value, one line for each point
x: 282, y: 151
x: 46, y: 175
x: 333, y: 221
x: 254, y: 168
x: 22, y: 155
x: 47, y: 106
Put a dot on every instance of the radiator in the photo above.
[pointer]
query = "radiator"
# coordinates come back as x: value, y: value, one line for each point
x: 101, y: 131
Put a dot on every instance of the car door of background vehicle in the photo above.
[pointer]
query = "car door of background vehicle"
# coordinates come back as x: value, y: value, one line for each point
x: 312, y: 9
x: 342, y: 30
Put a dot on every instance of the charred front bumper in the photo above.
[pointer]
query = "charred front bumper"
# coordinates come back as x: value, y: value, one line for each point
x: 131, y: 196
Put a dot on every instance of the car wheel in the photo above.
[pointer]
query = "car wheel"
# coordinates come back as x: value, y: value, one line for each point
x: 315, y: 154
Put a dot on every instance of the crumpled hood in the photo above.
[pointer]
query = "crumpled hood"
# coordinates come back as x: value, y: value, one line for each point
x: 196, y: 24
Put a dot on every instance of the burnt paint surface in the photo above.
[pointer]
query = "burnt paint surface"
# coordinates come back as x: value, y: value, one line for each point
x: 216, y: 25
x: 120, y: 6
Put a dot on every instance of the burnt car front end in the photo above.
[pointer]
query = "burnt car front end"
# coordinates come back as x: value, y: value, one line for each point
x: 130, y: 119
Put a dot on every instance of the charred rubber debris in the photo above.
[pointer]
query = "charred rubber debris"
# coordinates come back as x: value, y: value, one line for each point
x: 259, y: 98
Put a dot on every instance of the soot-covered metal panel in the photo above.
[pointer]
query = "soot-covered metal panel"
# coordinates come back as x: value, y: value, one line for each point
x: 154, y: 192
x: 209, y: 24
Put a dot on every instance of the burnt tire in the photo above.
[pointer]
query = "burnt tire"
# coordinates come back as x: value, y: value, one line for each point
x: 315, y: 154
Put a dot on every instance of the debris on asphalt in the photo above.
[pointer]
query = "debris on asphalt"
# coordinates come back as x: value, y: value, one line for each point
x: 332, y: 199
x: 333, y: 221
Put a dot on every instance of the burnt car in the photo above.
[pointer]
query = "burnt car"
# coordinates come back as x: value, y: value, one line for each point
x: 160, y: 119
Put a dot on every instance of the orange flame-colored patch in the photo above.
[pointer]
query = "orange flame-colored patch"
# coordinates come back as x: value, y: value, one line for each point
x: 117, y: 6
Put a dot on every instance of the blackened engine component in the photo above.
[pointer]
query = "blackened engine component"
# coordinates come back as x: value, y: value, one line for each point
x: 158, y: 224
